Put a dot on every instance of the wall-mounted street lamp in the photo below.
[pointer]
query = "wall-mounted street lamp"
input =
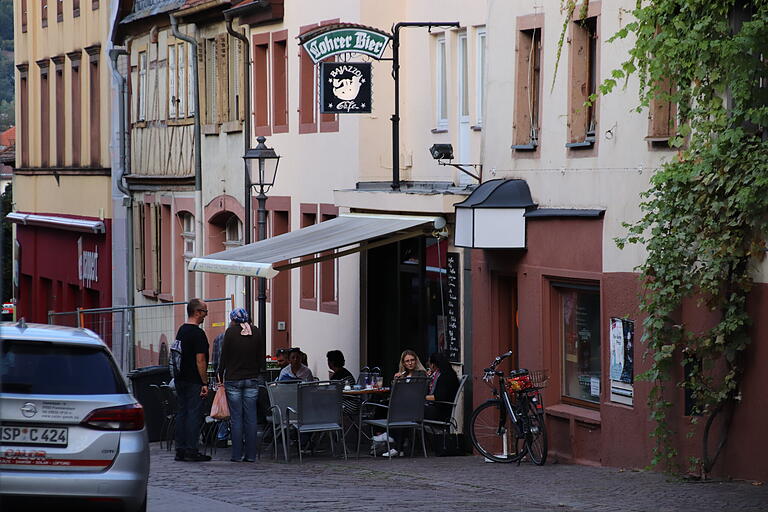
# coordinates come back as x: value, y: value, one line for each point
x: 442, y: 152
x: 261, y: 163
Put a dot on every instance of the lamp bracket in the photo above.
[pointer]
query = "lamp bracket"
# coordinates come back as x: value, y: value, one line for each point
x: 476, y: 175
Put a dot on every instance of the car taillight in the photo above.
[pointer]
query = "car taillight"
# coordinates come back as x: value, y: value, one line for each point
x: 123, y: 417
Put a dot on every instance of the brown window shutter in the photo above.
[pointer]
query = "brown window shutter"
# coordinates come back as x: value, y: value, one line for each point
x: 222, y: 82
x: 661, y: 113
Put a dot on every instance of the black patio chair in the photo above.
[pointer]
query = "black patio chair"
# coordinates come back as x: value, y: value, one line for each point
x: 447, y: 427
x: 283, y: 396
x: 405, y: 410
x: 319, y: 410
x: 167, y: 397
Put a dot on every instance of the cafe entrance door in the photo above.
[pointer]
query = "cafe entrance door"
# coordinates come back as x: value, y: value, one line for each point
x: 405, y: 297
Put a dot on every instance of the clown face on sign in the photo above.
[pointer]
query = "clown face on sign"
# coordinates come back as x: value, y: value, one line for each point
x: 346, y: 87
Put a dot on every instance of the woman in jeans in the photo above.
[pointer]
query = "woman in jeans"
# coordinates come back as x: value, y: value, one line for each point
x: 240, y: 368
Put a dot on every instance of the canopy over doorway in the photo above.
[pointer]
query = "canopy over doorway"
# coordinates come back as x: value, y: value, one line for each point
x: 347, y: 234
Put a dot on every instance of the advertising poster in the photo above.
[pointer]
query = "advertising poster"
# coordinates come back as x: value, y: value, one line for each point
x: 621, y: 335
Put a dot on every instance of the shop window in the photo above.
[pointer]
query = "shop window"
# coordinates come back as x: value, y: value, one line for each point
x: 307, y: 273
x: 583, y: 80
x: 528, y: 90
x: 577, y: 314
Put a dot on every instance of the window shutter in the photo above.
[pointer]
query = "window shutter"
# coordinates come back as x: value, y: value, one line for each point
x: 138, y: 250
x: 222, y: 88
x: 190, y: 77
x: 172, y: 105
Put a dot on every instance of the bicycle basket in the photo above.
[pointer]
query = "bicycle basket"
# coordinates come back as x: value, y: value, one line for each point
x: 539, y: 378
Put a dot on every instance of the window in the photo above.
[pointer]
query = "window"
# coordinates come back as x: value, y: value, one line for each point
x: 141, y: 96
x: 307, y: 104
x: 261, y: 84
x: 527, y: 90
x: 75, y: 8
x: 59, y: 11
x: 95, y: 104
x: 178, y: 80
x: 74, y: 58
x: 578, y: 318
x: 23, y: 140
x: 59, y: 66
x: 211, y: 80
x: 662, y: 115
x: 188, y: 235
x: 94, y: 4
x: 164, y: 262
x: 441, y: 84
x: 308, y: 273
x: 329, y: 269
x: 463, y: 76
x: 280, y: 82
x: 481, y: 48
x: 23, y: 16
x: 139, y: 255
x: 45, y: 119
x: 191, y: 56
x: 235, y: 77
x: 583, y: 80
x: 44, y: 12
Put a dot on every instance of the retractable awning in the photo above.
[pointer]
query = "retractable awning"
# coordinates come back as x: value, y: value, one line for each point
x: 346, y: 234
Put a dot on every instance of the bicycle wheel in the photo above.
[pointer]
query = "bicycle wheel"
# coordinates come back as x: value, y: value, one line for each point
x: 535, y: 439
x: 493, y: 434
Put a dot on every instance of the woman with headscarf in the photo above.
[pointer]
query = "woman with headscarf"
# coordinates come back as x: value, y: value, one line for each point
x: 241, y: 367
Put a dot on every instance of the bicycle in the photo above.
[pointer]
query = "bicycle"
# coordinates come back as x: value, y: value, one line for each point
x: 510, y: 426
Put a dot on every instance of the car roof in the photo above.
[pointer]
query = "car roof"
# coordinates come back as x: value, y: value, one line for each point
x: 50, y: 333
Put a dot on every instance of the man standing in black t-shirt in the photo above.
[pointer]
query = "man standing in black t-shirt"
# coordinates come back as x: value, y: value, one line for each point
x: 191, y: 383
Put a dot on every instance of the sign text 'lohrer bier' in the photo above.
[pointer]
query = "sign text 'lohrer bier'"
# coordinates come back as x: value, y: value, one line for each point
x: 346, y: 40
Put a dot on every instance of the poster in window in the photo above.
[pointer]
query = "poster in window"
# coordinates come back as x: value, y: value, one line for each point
x: 622, y: 334
x: 345, y: 87
x: 453, y: 326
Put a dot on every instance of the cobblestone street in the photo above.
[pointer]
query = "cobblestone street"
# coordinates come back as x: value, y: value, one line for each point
x: 418, y: 484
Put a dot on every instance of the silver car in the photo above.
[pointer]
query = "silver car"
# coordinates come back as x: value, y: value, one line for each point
x: 70, y: 430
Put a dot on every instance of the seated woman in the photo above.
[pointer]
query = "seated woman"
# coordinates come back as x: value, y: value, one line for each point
x: 443, y: 385
x: 410, y: 366
x: 295, y: 369
x: 336, y: 366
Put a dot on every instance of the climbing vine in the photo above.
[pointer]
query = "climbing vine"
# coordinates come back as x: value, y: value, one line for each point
x: 705, y: 216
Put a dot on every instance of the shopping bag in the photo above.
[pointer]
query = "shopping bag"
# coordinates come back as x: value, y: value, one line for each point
x: 220, y: 408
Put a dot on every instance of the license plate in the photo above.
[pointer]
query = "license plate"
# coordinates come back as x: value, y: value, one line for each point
x: 23, y: 435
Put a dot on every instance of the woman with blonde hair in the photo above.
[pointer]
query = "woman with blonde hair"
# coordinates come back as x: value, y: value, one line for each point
x: 410, y: 366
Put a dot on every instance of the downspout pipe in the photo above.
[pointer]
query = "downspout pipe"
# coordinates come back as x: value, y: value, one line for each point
x: 246, y: 146
x: 198, y: 149
x: 126, y: 354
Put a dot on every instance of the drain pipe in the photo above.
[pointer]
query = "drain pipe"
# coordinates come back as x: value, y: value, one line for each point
x: 246, y: 146
x: 198, y: 147
x: 127, y: 352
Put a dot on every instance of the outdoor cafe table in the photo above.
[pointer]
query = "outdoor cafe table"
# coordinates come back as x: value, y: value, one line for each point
x: 369, y: 391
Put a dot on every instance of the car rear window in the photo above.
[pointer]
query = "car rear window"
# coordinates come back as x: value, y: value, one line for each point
x: 42, y: 368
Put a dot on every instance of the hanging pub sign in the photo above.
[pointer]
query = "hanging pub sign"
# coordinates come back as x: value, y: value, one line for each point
x: 345, y: 87
x: 348, y: 38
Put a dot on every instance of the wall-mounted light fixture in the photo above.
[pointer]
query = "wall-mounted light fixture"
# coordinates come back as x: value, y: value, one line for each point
x: 442, y: 152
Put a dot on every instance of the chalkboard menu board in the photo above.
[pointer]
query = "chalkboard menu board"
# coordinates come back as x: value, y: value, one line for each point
x: 453, y: 310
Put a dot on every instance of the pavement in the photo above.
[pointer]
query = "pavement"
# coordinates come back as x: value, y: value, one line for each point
x: 447, y: 484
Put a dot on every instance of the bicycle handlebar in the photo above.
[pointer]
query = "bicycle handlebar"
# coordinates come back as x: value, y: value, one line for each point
x: 491, y: 370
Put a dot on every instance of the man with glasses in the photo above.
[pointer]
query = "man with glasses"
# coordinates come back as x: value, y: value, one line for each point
x: 191, y: 383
